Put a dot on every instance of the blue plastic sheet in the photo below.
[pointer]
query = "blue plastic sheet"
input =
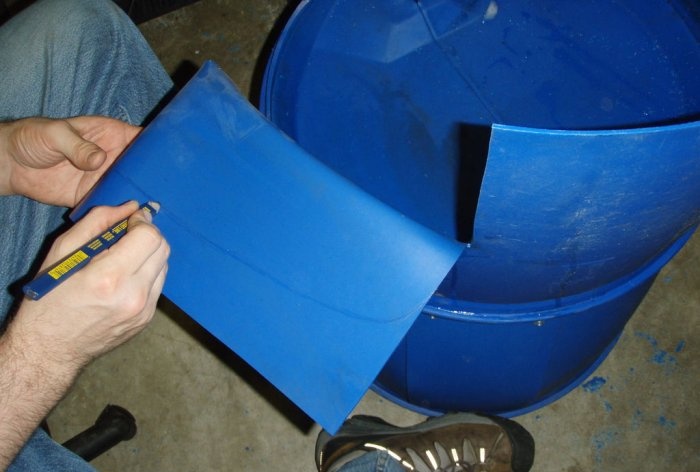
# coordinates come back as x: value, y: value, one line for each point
x: 309, y: 279
x: 565, y: 212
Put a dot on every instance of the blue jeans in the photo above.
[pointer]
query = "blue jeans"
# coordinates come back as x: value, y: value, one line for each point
x: 62, y: 58
x: 373, y: 462
x: 59, y: 59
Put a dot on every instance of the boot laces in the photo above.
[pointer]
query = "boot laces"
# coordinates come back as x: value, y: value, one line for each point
x: 440, y: 458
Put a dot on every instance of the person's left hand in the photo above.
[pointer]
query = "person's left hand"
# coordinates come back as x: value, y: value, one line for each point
x: 58, y: 161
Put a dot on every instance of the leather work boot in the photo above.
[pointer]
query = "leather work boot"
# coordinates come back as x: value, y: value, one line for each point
x: 451, y: 443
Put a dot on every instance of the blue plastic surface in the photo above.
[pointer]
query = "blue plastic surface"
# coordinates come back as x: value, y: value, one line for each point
x: 306, y: 277
x: 509, y: 359
x: 585, y: 115
x: 563, y: 212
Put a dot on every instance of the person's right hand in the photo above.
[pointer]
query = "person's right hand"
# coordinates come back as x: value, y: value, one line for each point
x: 104, y: 304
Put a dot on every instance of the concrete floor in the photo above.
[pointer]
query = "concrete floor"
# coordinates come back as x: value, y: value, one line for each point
x: 199, y: 407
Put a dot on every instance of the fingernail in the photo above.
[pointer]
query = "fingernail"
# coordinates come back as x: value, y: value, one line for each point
x: 155, y: 206
x: 147, y: 214
x: 95, y: 159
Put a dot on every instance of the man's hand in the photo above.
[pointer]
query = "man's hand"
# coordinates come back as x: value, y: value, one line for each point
x: 100, y: 307
x: 109, y: 300
x: 58, y: 161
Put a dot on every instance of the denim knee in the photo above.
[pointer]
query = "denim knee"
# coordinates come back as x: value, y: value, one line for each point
x: 70, y: 24
x: 75, y: 57
x: 100, y: 23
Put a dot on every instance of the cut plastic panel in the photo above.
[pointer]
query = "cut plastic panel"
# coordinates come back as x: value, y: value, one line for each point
x: 309, y: 279
x: 564, y: 212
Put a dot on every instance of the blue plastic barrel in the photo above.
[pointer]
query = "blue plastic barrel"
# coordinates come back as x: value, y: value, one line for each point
x: 560, y: 140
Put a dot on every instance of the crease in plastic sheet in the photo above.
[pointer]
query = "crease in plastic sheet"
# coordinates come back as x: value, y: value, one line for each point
x: 310, y: 280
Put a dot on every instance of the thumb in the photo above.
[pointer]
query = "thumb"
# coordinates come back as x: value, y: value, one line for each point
x: 83, y: 154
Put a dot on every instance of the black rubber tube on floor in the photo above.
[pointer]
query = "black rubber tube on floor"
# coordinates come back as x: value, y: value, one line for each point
x: 115, y: 424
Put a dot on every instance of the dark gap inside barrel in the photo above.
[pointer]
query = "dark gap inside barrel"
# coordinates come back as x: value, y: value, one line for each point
x: 473, y: 145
